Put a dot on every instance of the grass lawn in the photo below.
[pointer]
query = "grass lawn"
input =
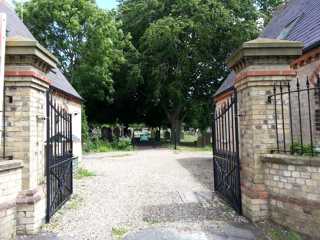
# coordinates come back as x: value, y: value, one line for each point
x: 194, y: 149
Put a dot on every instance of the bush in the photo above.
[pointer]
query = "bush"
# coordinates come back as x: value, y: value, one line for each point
x: 84, y: 125
x: 98, y: 145
x: 82, y: 173
x: 305, y: 149
x: 122, y: 144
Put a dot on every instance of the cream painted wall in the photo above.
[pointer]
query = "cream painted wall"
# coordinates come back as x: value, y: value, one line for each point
x: 73, y: 108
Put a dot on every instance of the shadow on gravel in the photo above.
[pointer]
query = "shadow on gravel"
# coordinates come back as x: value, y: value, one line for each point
x: 41, y: 236
x: 200, y: 168
x: 220, y: 222
x: 184, y: 212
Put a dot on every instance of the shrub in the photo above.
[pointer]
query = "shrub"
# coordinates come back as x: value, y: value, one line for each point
x: 284, y: 235
x: 123, y: 144
x: 98, y: 145
x: 305, y: 149
x: 82, y: 173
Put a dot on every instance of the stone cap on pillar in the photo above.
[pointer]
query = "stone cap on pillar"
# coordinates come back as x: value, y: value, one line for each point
x: 7, y: 165
x: 41, y: 58
x: 264, y: 47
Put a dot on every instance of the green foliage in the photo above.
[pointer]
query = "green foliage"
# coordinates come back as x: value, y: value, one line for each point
x: 118, y: 233
x: 184, y: 44
x: 123, y: 144
x: 200, y: 116
x: 83, y: 173
x: 194, y: 149
x: 305, y: 149
x: 84, y: 125
x: 284, y: 235
x: 267, y: 8
x: 153, y: 61
x: 87, y: 40
x: 98, y: 145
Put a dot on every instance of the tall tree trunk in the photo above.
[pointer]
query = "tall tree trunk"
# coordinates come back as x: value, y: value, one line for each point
x: 175, y: 122
x: 175, y: 130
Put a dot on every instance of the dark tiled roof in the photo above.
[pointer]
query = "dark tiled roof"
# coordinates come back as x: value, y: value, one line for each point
x: 15, y: 27
x: 301, y: 20
x: 60, y: 82
x: 227, y: 83
x: 305, y: 19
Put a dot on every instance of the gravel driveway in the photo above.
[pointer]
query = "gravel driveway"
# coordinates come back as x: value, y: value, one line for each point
x: 146, y: 189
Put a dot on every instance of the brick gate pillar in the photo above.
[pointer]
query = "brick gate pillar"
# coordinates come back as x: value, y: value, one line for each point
x: 26, y: 67
x: 258, y: 65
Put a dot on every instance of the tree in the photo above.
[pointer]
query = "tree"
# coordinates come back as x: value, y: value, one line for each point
x: 267, y: 7
x: 87, y: 40
x: 184, y: 44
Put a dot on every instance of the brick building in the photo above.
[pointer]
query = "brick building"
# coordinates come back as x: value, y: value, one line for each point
x: 261, y: 112
x: 30, y: 73
x: 297, y: 20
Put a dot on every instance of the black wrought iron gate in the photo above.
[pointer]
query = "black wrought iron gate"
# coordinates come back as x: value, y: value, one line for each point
x: 226, y: 151
x: 59, y: 165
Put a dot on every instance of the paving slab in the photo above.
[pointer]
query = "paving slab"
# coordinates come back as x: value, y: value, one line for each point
x: 229, y: 233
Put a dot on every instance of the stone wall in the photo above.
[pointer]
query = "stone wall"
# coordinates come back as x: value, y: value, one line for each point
x: 258, y: 65
x: 25, y: 139
x: 10, y: 186
x: 31, y: 209
x: 26, y: 84
x: 25, y: 130
x: 23, y: 190
x: 293, y: 184
x: 282, y: 188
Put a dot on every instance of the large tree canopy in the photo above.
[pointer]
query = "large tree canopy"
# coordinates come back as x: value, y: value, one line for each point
x: 184, y: 44
x: 267, y: 7
x: 87, y: 40
x: 159, y: 61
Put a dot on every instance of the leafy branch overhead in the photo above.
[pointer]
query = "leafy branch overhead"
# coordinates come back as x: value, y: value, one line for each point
x: 152, y: 61
x: 87, y: 40
x: 184, y: 45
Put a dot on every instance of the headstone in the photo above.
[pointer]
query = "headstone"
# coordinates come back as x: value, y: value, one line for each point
x: 109, y: 134
x: 117, y: 132
x: 158, y: 135
x: 167, y: 135
x: 104, y: 133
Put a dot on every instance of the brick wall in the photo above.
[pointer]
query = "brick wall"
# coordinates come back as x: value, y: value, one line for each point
x: 307, y: 71
x: 25, y: 140
x: 257, y: 69
x: 31, y: 206
x: 293, y: 184
x: 10, y: 185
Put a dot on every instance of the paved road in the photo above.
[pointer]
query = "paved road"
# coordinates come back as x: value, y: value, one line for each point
x: 153, y: 194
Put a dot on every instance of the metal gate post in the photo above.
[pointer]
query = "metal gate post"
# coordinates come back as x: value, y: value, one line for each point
x: 236, y: 118
x: 48, y: 157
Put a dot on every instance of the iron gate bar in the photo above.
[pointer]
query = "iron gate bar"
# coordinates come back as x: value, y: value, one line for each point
x: 225, y: 146
x: 310, y: 121
x: 290, y: 114
x: 299, y: 137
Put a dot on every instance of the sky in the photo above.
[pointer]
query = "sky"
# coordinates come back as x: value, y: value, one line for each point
x: 108, y: 4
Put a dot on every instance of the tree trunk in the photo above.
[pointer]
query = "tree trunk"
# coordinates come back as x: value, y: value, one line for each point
x: 175, y: 131
x: 175, y: 120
